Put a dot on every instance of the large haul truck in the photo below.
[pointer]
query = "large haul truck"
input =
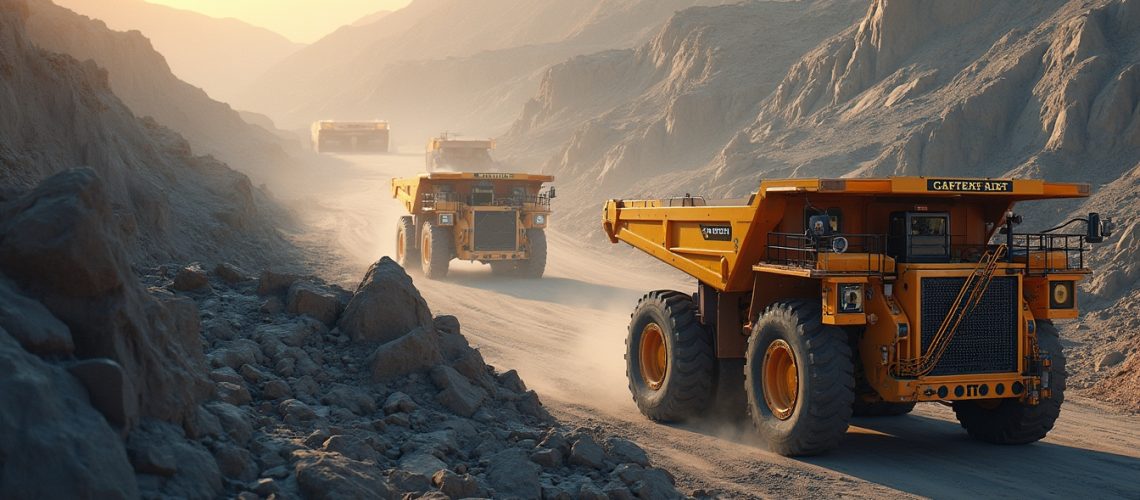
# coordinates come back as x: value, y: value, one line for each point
x: 844, y: 297
x: 331, y: 136
x: 447, y: 153
x: 493, y: 218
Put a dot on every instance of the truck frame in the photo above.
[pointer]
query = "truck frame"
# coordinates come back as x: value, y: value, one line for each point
x: 824, y: 298
x: 494, y: 218
x: 331, y: 136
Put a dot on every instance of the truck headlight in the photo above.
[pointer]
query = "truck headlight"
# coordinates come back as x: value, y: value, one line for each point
x: 851, y: 298
x: 1061, y: 295
x: 540, y: 219
x: 447, y: 219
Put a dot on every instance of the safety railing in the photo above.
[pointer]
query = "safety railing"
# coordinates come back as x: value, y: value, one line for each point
x: 836, y: 253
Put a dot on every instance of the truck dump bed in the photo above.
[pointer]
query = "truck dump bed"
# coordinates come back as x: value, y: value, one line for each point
x: 719, y: 242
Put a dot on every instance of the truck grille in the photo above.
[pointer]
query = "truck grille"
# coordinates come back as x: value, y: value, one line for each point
x: 496, y: 231
x: 986, y: 340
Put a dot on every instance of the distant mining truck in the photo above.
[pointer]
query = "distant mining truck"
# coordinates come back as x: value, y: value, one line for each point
x: 493, y: 218
x: 446, y: 153
x: 819, y: 299
x: 331, y: 136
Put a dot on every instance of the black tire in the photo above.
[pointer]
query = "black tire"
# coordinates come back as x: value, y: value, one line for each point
x: 436, y: 249
x: 535, y: 265
x: 1010, y: 421
x: 407, y: 255
x: 818, y: 414
x: 687, y: 386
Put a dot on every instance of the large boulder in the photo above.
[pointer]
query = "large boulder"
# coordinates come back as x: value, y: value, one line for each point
x: 53, y: 443
x: 32, y: 325
x: 318, y: 302
x: 57, y: 246
x: 386, y: 305
x: 414, y: 352
x: 334, y: 476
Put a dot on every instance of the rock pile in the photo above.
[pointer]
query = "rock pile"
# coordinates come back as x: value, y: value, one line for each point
x: 380, y: 400
x: 197, y: 384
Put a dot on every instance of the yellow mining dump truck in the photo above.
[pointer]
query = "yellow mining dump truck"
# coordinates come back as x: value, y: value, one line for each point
x: 448, y: 153
x: 494, y: 218
x: 857, y: 296
x: 331, y: 136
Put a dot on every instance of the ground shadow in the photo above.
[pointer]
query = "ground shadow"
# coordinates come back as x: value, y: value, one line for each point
x: 936, y: 458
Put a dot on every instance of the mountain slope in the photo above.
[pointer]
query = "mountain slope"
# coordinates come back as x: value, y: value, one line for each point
x: 609, y: 122
x: 221, y: 56
x: 447, y: 64
x: 141, y: 78
x: 60, y: 113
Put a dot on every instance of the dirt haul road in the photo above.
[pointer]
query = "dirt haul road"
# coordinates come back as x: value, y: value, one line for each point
x: 565, y: 334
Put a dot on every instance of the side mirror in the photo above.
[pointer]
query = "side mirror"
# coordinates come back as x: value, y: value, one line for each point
x: 1099, y: 229
x: 551, y: 193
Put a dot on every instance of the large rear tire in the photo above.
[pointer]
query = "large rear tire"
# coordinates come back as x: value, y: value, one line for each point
x: 670, y: 361
x: 407, y: 255
x: 1009, y: 421
x: 436, y: 248
x: 798, y: 379
x: 535, y: 265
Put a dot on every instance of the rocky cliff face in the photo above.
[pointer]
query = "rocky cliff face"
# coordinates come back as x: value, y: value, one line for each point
x: 448, y: 65
x: 141, y: 77
x: 165, y: 202
x: 638, y: 116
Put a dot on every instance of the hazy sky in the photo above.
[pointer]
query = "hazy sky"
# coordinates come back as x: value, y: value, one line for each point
x: 298, y: 20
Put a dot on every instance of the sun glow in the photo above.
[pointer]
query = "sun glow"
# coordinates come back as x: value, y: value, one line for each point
x: 302, y: 21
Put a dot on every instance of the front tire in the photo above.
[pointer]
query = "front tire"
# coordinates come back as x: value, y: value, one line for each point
x: 435, y: 251
x: 534, y: 266
x: 670, y: 361
x: 407, y: 255
x: 1009, y: 421
x: 798, y: 379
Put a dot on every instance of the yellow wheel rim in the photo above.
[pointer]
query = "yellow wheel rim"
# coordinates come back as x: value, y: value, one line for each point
x: 651, y: 355
x: 781, y: 379
x: 425, y: 248
x: 400, y: 239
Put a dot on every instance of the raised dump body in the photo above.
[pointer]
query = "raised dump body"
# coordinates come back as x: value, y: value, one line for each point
x: 493, y: 218
x: 460, y: 155
x: 331, y: 136
x: 859, y: 296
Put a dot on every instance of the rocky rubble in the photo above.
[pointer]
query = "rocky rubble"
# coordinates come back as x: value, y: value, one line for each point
x: 304, y: 408
x: 184, y: 384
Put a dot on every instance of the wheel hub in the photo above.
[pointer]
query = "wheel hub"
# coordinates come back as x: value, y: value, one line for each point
x: 781, y: 379
x: 652, y: 356
x: 400, y: 244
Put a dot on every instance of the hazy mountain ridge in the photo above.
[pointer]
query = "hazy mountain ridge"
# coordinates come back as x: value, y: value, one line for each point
x: 140, y: 76
x: 448, y: 64
x: 221, y: 56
